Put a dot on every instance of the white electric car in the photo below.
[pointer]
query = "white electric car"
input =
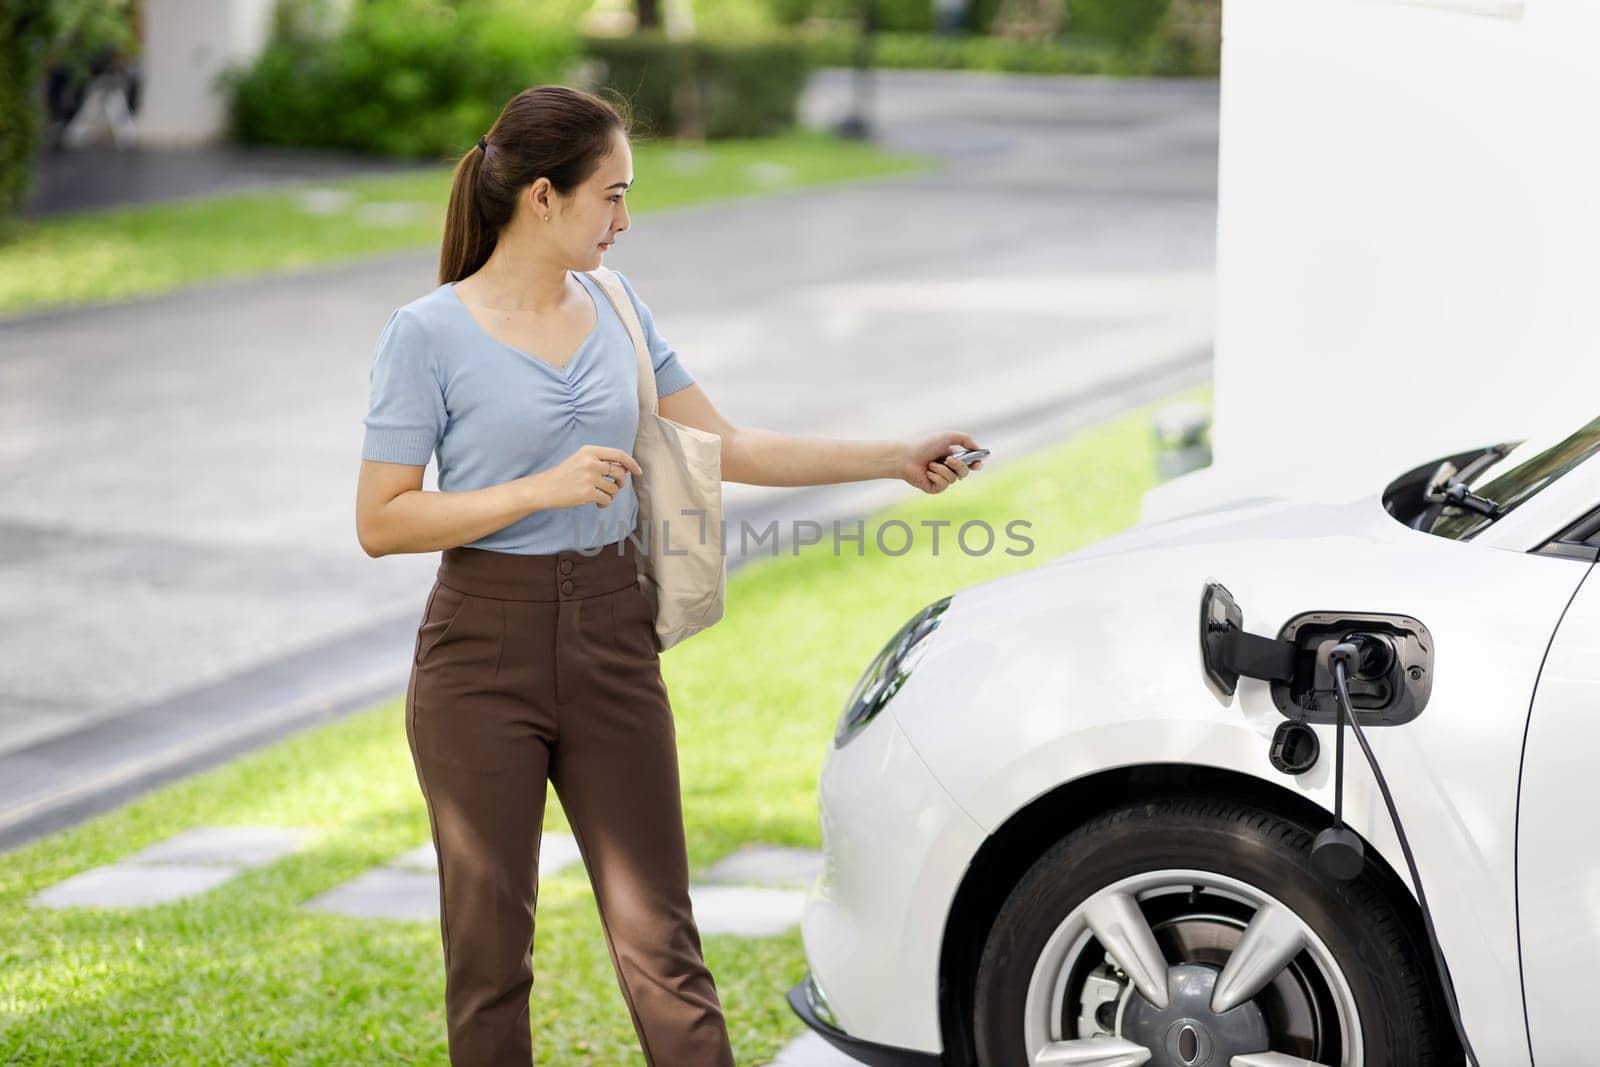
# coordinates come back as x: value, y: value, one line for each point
x: 1068, y: 815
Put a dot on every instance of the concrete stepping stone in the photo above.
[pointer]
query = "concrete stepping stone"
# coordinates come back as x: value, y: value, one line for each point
x: 812, y: 1050
x: 407, y: 887
x: 421, y: 858
x: 246, y: 846
x: 184, y: 865
x: 389, y: 212
x: 323, y: 201
x: 133, y: 885
x: 768, y: 865
x: 383, y: 893
x: 768, y: 172
x: 745, y: 910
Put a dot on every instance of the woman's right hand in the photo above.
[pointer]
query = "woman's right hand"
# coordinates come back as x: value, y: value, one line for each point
x: 581, y: 477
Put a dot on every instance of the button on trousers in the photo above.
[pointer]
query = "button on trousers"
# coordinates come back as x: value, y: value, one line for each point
x: 536, y: 667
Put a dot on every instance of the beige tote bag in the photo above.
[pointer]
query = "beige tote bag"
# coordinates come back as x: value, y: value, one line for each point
x: 682, y: 569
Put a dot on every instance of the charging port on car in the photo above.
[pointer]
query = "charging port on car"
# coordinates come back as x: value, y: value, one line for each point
x: 1391, y: 683
x: 1392, y: 680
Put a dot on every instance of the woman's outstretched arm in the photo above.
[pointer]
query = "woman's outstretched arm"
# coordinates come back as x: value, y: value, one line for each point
x: 762, y: 457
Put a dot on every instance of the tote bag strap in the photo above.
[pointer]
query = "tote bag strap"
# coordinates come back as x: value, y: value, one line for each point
x: 629, y: 315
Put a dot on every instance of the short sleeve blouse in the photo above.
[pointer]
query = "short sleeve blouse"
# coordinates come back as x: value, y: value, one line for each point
x: 441, y: 385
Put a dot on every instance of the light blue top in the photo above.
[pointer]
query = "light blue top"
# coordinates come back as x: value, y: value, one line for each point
x: 493, y: 413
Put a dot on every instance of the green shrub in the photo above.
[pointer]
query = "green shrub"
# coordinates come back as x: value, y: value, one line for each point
x: 1127, y: 24
x: 789, y: 12
x: 1187, y: 42
x: 26, y: 28
x: 717, y: 19
x: 408, y: 78
x: 1069, y: 55
x: 893, y: 16
x: 65, y: 34
x: 1179, y: 38
x: 980, y: 16
x: 744, y: 87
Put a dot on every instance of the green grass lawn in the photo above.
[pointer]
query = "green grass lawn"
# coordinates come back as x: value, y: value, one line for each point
x: 135, y: 251
x: 240, y: 975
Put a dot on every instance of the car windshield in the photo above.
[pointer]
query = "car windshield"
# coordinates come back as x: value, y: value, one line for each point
x: 1517, y: 477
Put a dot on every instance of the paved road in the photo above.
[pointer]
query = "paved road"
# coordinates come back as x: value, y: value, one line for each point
x: 179, y: 575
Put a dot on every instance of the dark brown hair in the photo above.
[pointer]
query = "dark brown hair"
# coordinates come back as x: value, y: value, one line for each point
x: 548, y: 131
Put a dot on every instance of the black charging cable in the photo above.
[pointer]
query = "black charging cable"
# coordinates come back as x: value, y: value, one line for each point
x: 1341, y: 656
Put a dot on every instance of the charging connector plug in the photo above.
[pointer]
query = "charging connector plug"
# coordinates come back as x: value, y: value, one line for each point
x: 1338, y: 853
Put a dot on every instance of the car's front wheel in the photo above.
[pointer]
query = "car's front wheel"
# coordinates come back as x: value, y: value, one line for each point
x: 1194, y: 933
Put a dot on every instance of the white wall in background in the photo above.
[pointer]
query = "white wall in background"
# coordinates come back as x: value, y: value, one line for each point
x: 186, y: 43
x: 1408, y: 233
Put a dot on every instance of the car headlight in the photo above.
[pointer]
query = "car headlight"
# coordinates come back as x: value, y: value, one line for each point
x: 888, y: 671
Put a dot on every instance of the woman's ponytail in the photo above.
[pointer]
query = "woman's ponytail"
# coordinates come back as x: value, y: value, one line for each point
x: 467, y: 239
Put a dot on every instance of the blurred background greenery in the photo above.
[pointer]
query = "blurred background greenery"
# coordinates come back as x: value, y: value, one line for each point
x: 421, y: 79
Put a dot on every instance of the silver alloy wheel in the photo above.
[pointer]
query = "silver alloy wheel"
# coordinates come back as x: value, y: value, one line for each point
x: 1237, y: 946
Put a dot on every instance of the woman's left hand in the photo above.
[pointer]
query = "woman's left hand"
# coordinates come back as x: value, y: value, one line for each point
x: 922, y: 467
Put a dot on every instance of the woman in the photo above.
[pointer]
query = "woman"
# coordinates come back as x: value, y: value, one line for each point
x: 536, y: 655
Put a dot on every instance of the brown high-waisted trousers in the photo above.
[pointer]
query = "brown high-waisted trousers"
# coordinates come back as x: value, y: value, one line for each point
x: 528, y: 667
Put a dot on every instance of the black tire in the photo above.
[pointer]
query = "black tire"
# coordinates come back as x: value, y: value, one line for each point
x: 1378, y: 946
